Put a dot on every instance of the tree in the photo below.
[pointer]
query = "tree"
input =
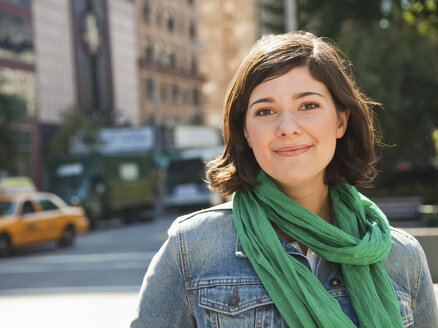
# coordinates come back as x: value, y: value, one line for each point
x: 333, y: 18
x: 393, y: 46
x: 76, y: 126
x: 421, y: 14
x: 272, y: 16
x: 12, y: 109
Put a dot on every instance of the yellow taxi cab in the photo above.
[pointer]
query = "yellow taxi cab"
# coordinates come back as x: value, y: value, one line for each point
x: 33, y: 217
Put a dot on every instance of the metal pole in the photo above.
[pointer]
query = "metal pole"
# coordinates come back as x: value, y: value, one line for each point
x: 159, y: 189
x: 290, y: 15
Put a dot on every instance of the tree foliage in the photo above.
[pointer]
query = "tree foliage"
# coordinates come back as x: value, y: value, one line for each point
x: 12, y: 109
x: 393, y: 45
x: 76, y: 127
x: 272, y: 16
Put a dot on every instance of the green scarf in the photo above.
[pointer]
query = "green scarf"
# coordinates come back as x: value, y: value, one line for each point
x: 359, y: 243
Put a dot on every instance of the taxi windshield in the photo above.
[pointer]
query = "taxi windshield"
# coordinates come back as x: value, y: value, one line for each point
x: 6, y: 208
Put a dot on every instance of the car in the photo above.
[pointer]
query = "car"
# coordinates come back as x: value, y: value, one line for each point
x: 34, y: 217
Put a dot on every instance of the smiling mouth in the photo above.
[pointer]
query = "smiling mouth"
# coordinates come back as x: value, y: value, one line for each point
x: 292, y: 151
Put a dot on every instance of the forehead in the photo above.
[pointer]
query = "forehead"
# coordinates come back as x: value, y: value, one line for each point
x: 297, y: 80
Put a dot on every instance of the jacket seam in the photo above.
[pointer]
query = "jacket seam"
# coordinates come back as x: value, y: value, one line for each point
x: 185, y: 268
x: 418, y: 276
x: 189, y: 216
x: 207, y: 283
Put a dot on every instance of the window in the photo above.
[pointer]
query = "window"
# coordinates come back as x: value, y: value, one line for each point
x: 172, y: 58
x: 196, y: 97
x: 47, y: 205
x: 24, y: 3
x: 7, y: 208
x: 148, y: 51
x: 194, y: 65
x: 27, y: 208
x: 163, y: 92
x: 150, y: 86
x: 170, y: 22
x: 16, y: 38
x: 175, y: 94
x: 146, y: 11
x: 185, y: 171
x: 192, y: 30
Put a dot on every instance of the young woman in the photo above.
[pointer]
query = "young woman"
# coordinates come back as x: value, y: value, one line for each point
x: 298, y: 246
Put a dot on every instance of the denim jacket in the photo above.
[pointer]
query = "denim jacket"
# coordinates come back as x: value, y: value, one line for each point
x: 201, y: 277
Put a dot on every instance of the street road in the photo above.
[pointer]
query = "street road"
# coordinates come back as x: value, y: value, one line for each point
x: 93, y: 284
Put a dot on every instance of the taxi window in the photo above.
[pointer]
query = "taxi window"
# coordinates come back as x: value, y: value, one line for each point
x: 27, y: 208
x: 7, y: 208
x: 47, y: 205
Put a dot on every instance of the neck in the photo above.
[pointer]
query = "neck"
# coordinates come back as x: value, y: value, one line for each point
x: 316, y: 200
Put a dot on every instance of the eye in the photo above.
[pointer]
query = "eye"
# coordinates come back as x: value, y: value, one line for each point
x: 264, y: 112
x: 309, y: 106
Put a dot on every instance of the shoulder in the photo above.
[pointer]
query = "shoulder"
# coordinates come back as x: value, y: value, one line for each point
x: 207, y: 242
x: 405, y: 262
x: 213, y: 226
x: 404, y: 249
x: 404, y: 243
x: 204, y: 219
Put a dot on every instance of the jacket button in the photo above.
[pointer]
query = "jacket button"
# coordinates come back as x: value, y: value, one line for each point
x: 234, y: 300
x: 335, y: 283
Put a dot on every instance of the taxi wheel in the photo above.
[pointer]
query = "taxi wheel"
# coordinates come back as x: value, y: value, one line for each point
x: 68, y: 237
x: 5, y: 245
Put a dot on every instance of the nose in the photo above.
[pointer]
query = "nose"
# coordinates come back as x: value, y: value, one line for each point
x: 288, y: 125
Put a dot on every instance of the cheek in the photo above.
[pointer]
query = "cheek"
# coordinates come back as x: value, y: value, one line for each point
x: 256, y: 137
x: 246, y: 135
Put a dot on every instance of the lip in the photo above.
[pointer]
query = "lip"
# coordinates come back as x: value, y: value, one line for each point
x: 290, y: 151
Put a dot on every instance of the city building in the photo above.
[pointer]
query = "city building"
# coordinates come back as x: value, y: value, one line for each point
x: 59, y: 55
x: 86, y: 59
x: 17, y: 53
x: 169, y: 53
x: 228, y: 29
x: 18, y: 77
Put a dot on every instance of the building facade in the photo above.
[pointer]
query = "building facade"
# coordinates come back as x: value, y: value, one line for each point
x: 87, y: 59
x: 228, y: 29
x: 169, y: 52
x: 17, y: 52
x: 18, y: 77
x: 58, y: 55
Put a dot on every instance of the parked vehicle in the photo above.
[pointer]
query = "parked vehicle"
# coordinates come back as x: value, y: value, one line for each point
x: 33, y: 217
x: 106, y: 185
x: 185, y: 179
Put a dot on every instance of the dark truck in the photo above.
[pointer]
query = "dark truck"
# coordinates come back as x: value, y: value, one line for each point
x: 185, y: 183
x: 106, y: 185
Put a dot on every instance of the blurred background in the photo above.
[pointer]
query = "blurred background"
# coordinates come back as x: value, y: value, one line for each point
x: 115, y: 106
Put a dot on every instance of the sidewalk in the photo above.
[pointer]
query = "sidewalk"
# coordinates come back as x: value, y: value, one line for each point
x: 72, y: 310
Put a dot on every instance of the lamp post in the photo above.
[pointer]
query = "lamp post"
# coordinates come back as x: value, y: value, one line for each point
x: 158, y: 147
x: 290, y: 15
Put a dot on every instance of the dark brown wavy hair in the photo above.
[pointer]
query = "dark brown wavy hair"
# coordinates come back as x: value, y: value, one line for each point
x: 271, y: 57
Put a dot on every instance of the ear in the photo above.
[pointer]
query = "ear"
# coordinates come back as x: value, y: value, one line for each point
x: 342, y: 123
x: 245, y: 132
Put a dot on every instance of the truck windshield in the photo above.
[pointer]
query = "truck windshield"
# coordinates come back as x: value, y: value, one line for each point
x: 185, y: 171
x: 6, y: 208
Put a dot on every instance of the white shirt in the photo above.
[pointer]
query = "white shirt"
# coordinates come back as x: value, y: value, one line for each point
x: 311, y: 256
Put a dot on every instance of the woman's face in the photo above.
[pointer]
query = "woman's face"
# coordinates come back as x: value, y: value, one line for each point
x: 292, y: 125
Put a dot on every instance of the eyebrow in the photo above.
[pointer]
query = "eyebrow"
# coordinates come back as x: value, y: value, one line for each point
x: 307, y: 93
x: 295, y: 97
